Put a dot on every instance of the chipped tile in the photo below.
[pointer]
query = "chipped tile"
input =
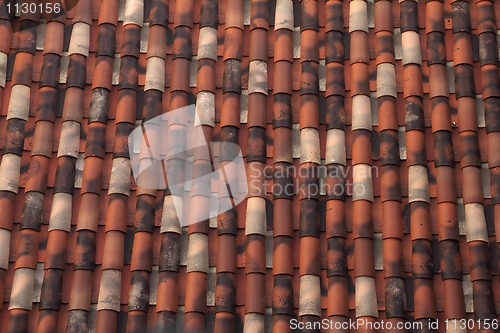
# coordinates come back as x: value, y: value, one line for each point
x: 244, y: 106
x: 402, y: 142
x: 485, y: 177
x: 480, y: 111
x: 144, y: 38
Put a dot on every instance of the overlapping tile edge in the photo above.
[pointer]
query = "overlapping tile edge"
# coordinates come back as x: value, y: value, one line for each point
x: 400, y: 98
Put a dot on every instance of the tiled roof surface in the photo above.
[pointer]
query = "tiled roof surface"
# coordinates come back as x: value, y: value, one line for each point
x: 400, y: 97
